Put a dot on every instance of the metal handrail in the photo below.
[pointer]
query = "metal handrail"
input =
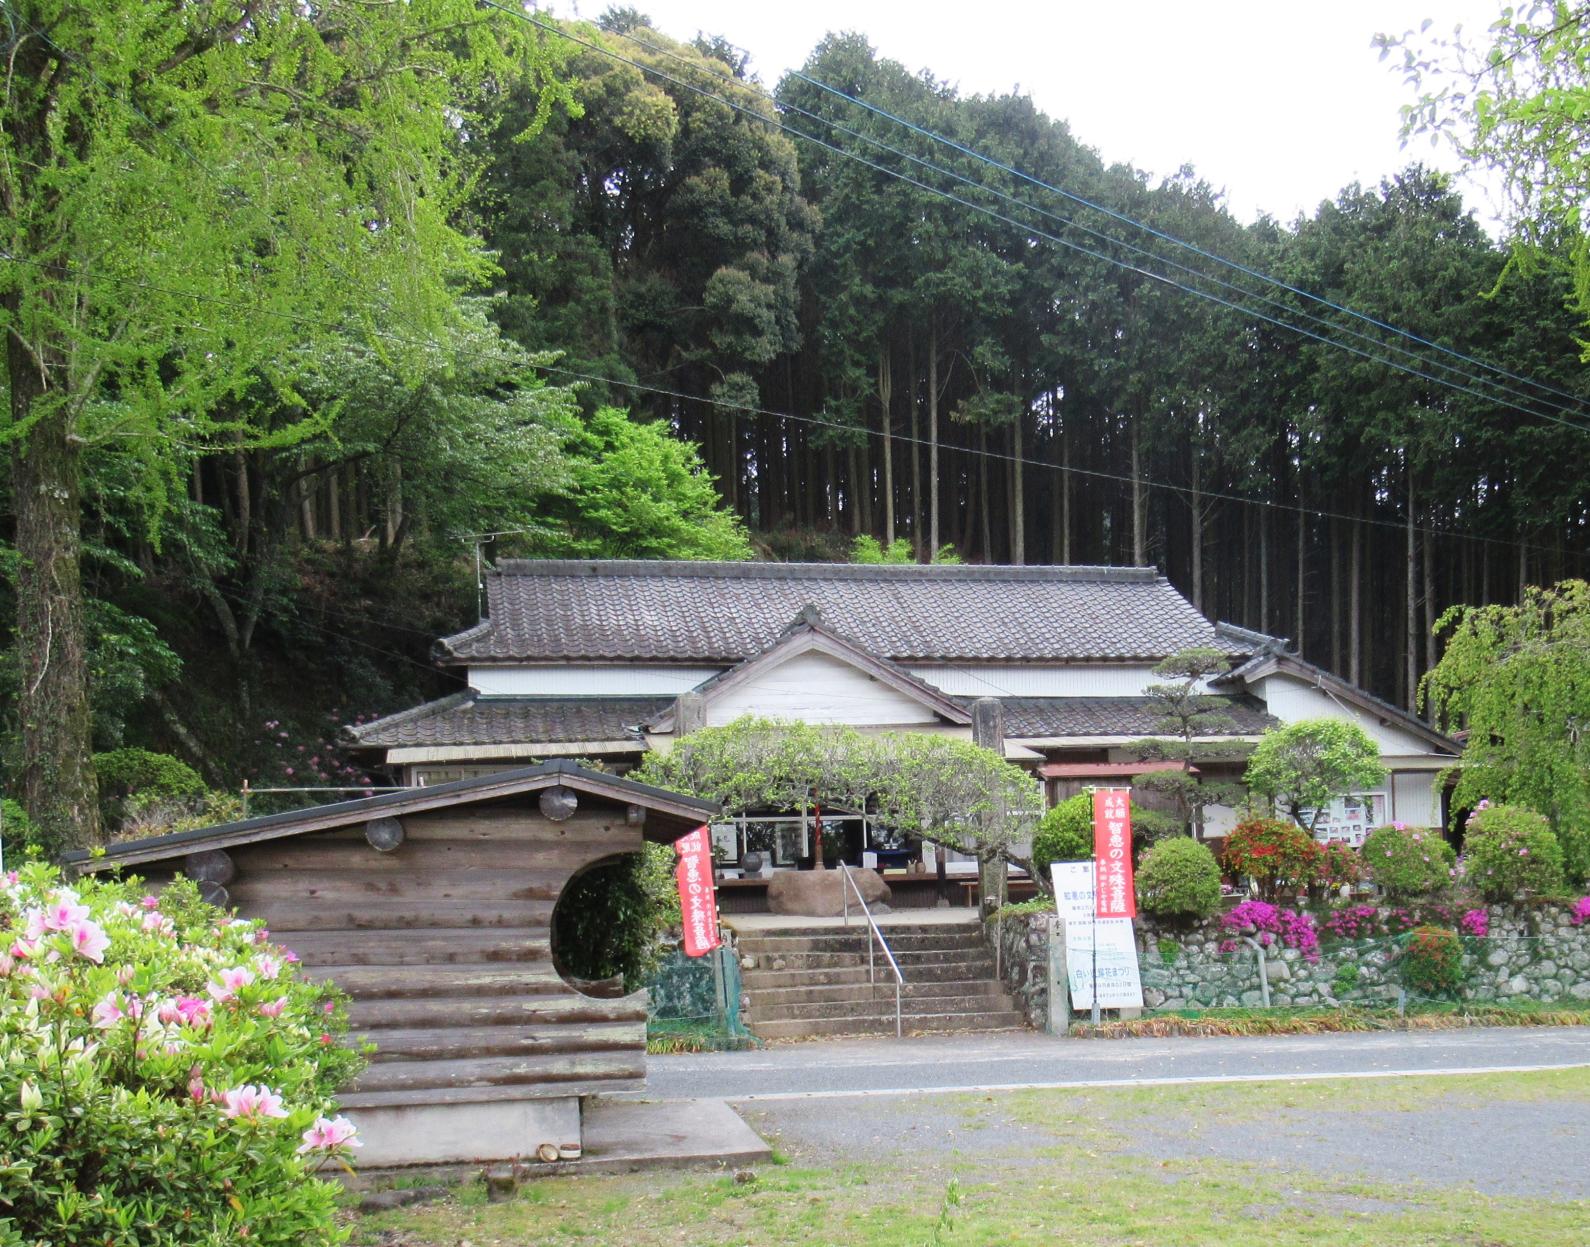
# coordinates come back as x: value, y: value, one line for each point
x: 872, y: 923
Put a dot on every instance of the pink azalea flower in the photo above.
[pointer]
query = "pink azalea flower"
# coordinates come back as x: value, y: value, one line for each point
x: 193, y: 1011
x: 252, y: 1103
x: 108, y: 1012
x: 150, y: 902
x: 64, y: 913
x: 7, y: 964
x: 329, y: 1135
x: 232, y: 981
x: 196, y: 1086
x: 273, y: 1008
x: 267, y: 966
x: 89, y: 940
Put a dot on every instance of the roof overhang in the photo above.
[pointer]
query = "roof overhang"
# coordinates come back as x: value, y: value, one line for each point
x: 396, y: 804
x: 409, y: 754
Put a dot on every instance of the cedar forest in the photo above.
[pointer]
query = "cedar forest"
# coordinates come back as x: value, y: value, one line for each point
x: 685, y: 314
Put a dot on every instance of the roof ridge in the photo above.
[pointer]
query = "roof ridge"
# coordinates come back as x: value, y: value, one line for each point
x: 702, y: 569
x: 442, y: 704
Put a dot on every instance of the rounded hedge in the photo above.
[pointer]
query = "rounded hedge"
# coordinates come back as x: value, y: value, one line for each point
x: 1432, y: 962
x: 1407, y: 862
x: 1510, y: 851
x: 165, y: 1074
x: 1179, y: 878
x: 1275, y: 853
x: 1065, y: 834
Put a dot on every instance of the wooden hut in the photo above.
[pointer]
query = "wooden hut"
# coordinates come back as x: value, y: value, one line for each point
x: 432, y: 908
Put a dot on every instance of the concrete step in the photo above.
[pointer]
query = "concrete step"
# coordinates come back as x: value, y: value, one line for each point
x: 881, y: 1004
x: 854, y: 970
x: 964, y: 957
x: 842, y: 941
x: 889, y: 929
x: 827, y: 993
x: 883, y: 1024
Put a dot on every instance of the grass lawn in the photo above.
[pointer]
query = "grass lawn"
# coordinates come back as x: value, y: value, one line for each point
x: 1158, y: 1167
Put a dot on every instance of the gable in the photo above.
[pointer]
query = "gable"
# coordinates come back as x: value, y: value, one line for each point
x: 817, y: 687
x: 1289, y: 699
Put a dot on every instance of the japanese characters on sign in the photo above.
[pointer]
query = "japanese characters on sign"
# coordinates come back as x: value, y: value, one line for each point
x: 698, y: 902
x: 1113, y: 962
x: 1112, y: 853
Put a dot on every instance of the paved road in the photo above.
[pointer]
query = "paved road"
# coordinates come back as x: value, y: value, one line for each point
x: 944, y: 1063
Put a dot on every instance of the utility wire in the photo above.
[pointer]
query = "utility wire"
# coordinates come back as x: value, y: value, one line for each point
x: 1030, y: 229
x: 1171, y: 238
x: 1478, y: 378
x: 745, y: 409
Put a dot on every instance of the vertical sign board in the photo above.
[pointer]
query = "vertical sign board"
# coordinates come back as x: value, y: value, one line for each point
x: 1112, y: 853
x: 1120, y: 983
x: 698, y: 902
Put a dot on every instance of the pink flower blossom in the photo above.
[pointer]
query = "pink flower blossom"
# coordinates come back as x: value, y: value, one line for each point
x: 89, y: 940
x: 192, y: 1011
x: 150, y: 902
x: 196, y: 1088
x: 232, y: 981
x: 252, y: 1103
x: 64, y: 913
x: 273, y: 1008
x: 108, y: 1012
x: 329, y: 1135
x: 267, y: 966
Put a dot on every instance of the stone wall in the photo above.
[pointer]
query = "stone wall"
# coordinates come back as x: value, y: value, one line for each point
x: 1532, y: 953
x: 1022, y: 942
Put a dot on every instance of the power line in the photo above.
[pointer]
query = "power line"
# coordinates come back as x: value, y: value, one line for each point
x: 838, y: 426
x: 1028, y: 228
x: 1245, y: 292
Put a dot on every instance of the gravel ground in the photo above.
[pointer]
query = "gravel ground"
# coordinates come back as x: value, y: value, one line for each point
x: 1503, y: 1148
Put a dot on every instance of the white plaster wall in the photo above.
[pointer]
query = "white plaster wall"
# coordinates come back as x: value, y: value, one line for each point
x: 1290, y: 699
x: 1414, y: 800
x: 816, y: 688
x: 1032, y: 680
x: 588, y: 680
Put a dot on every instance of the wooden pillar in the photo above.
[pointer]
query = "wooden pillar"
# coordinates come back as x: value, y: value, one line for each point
x: 690, y: 713
x: 988, y: 730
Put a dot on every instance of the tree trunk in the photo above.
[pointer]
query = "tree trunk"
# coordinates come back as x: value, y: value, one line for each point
x: 1018, y: 496
x: 1411, y: 593
x: 1336, y: 594
x: 985, y: 511
x: 1430, y: 654
x: 885, y: 400
x: 56, y: 774
x: 933, y: 440
x: 1302, y: 570
x: 1196, y: 536
x: 916, y: 450
x: 1065, y: 492
x: 1264, y: 569
x: 1139, y: 500
x: 1355, y: 647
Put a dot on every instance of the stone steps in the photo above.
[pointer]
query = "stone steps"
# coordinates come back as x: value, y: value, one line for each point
x: 812, y: 982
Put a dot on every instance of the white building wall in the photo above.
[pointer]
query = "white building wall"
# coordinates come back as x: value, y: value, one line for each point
x: 1289, y: 700
x: 588, y: 680
x: 1032, y: 680
x: 816, y: 688
x: 1414, y: 799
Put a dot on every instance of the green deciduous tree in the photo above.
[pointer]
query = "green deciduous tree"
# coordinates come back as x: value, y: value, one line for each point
x: 1309, y: 763
x: 181, y: 184
x: 1517, y: 678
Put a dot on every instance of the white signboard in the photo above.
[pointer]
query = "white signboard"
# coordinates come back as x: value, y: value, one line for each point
x: 1120, y: 983
x: 1348, y: 820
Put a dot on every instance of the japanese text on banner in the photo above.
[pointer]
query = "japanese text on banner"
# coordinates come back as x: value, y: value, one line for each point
x: 1112, y: 853
x: 698, y: 901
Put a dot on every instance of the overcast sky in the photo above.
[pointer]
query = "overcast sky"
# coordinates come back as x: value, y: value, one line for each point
x: 1281, y: 104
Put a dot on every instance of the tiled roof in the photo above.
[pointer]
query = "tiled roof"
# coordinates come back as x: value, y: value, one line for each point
x: 565, y: 610
x: 468, y: 719
x: 1118, y: 716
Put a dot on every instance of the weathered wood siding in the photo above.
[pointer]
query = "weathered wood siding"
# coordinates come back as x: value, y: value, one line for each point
x: 444, y: 946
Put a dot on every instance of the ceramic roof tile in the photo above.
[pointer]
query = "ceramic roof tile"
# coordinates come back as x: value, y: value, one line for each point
x: 466, y: 719
x: 567, y: 610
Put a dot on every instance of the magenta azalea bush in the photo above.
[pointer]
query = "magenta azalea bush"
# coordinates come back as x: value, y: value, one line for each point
x: 1581, y: 912
x: 165, y: 1074
x: 1269, y: 924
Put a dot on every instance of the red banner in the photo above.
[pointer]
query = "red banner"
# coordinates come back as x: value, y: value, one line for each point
x: 698, y: 902
x: 1112, y: 854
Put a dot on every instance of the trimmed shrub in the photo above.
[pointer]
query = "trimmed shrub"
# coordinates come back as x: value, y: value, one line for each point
x: 1065, y: 834
x: 130, y: 779
x: 1179, y: 878
x: 1432, y: 963
x: 1275, y: 853
x: 165, y: 1075
x: 1408, y: 862
x: 1339, y: 864
x: 1510, y: 851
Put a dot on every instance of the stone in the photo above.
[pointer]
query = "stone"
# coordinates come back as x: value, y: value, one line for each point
x: 822, y: 893
x: 1250, y: 999
x: 1278, y: 971
x: 1519, y: 985
x: 1580, y: 991
x: 1497, y: 957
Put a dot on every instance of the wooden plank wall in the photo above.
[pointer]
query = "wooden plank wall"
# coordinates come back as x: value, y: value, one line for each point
x: 444, y: 946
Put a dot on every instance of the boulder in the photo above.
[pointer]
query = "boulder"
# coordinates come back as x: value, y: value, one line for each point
x: 821, y: 893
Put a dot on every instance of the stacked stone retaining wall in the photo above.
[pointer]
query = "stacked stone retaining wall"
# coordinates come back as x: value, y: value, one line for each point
x: 1533, y: 953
